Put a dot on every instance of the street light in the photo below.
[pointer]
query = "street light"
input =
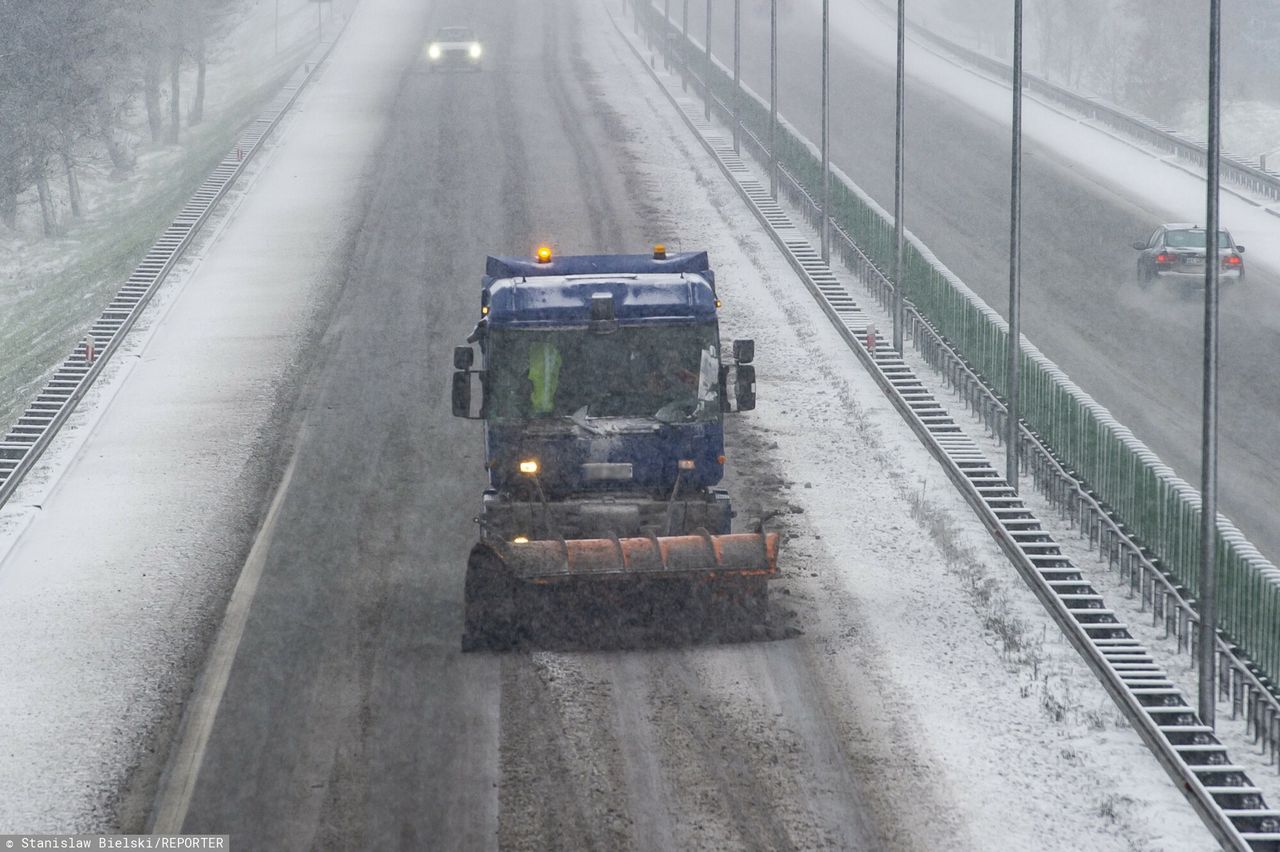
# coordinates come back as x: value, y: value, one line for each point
x: 773, y: 99
x: 826, y: 131
x: 1209, y: 435
x: 666, y: 35
x: 737, y: 76
x: 684, y: 48
x: 1012, y: 436
x: 706, y: 77
x: 899, y: 280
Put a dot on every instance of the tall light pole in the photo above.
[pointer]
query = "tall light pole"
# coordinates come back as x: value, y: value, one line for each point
x: 666, y: 35
x: 773, y: 99
x: 737, y: 76
x: 706, y: 77
x: 684, y: 47
x: 1012, y: 437
x: 899, y: 279
x: 1209, y: 443
x: 826, y: 131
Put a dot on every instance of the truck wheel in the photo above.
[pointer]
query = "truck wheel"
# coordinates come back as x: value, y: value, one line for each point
x: 491, y: 617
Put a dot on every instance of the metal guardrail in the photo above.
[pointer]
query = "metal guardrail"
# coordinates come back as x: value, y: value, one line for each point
x: 1235, y: 170
x: 28, y: 438
x: 1159, y: 511
x: 1231, y: 806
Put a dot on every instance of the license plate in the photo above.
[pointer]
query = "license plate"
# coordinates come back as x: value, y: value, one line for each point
x: 1193, y: 261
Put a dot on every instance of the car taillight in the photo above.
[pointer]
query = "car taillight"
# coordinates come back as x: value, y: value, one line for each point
x: 1231, y: 260
x: 1166, y: 257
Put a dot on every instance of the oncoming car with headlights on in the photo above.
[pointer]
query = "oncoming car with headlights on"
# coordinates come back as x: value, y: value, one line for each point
x: 1178, y: 251
x: 454, y: 47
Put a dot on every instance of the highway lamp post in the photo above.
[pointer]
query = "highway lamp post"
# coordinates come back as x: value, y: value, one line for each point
x: 666, y: 35
x: 706, y: 78
x: 684, y: 48
x: 826, y: 132
x: 737, y: 76
x: 899, y: 279
x: 1012, y: 436
x: 1208, y: 638
x: 773, y: 99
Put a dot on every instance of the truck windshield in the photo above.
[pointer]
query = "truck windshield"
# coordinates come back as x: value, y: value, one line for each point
x: 669, y: 373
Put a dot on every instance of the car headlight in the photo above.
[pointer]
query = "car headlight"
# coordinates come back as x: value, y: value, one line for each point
x: 474, y: 50
x: 433, y: 51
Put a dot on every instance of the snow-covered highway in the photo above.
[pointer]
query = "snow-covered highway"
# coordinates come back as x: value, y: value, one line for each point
x: 277, y: 447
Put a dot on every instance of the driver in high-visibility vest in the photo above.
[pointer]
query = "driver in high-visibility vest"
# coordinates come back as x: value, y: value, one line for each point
x: 544, y: 376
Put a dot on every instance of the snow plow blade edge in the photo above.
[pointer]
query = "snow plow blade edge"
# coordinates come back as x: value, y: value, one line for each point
x: 707, y: 556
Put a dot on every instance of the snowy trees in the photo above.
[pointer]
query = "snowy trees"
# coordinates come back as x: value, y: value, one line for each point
x: 69, y: 73
x: 1152, y: 55
x: 49, y: 94
x: 1254, y: 50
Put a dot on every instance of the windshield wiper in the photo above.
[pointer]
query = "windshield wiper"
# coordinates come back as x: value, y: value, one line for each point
x: 582, y: 419
x: 679, y: 411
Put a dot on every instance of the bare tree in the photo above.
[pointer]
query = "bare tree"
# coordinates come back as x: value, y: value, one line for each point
x: 199, y: 27
x: 176, y: 50
x: 151, y: 91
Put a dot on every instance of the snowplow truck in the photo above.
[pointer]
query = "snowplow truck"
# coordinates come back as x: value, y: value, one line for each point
x: 602, y: 386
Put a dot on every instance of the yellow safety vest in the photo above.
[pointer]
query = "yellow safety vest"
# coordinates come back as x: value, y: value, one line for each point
x: 544, y: 374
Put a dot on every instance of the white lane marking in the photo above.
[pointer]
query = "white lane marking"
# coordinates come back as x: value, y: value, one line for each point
x: 179, y: 781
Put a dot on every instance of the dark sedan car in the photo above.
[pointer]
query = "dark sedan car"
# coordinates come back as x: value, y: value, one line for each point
x: 454, y: 47
x: 1178, y: 250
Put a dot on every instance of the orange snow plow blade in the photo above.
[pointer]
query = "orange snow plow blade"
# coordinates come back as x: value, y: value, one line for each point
x: 683, y: 556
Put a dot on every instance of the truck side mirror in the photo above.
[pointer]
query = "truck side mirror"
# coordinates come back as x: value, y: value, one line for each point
x: 744, y: 351
x: 461, y: 393
x: 744, y: 386
x: 463, y: 357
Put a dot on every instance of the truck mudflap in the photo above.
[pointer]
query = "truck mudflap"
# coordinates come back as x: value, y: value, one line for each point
x: 702, y: 555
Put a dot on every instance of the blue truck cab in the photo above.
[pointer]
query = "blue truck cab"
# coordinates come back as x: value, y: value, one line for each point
x: 602, y: 387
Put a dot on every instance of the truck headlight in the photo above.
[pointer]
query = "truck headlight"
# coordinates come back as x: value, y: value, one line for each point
x: 529, y: 467
x: 474, y: 50
x: 433, y: 51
